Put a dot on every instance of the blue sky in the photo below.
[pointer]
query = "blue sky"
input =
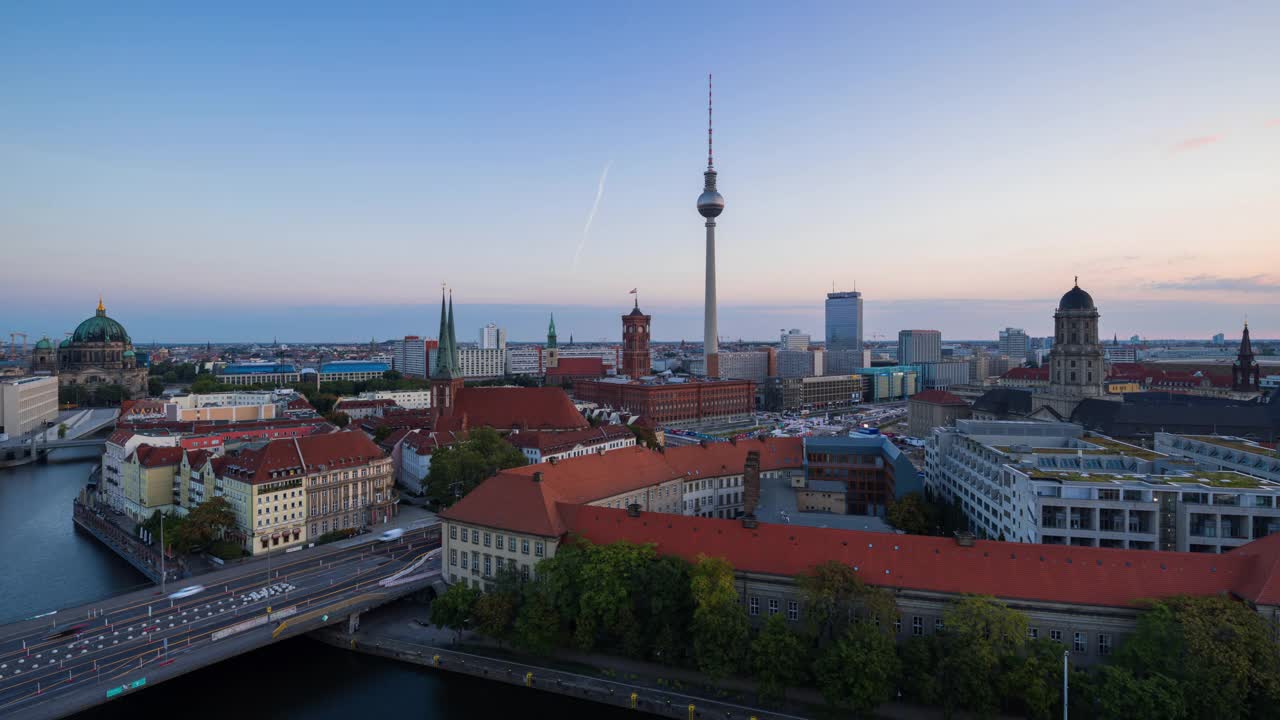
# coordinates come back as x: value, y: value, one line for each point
x: 313, y: 170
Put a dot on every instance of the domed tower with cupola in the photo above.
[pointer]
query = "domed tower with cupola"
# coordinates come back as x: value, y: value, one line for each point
x: 100, y: 352
x: 1076, y: 361
x: 44, y: 359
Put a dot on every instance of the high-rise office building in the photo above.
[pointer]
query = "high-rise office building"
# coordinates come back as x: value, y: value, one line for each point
x: 493, y: 337
x: 844, y: 321
x: 793, y: 339
x: 919, y: 346
x: 1014, y: 343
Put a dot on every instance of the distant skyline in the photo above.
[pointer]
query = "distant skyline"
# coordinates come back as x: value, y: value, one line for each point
x: 315, y: 171
x: 975, y: 320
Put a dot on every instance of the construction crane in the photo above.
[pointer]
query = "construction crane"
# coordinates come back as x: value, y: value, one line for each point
x: 13, y: 343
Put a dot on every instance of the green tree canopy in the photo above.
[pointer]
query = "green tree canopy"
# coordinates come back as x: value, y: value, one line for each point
x: 858, y: 671
x: 720, y: 626
x: 457, y: 469
x: 778, y: 659
x: 455, y: 608
x: 834, y: 596
x: 909, y: 514
x: 979, y: 633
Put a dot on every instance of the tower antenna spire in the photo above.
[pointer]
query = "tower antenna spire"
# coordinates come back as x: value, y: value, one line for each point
x: 710, y: 155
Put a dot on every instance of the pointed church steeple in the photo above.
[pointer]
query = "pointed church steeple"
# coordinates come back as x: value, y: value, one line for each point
x: 454, y: 363
x: 444, y: 365
x: 1246, y: 376
x: 551, y: 332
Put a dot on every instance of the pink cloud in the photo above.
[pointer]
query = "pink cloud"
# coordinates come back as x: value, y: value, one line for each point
x: 1273, y: 123
x: 1195, y: 143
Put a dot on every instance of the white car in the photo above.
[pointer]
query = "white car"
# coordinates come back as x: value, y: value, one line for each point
x: 186, y: 592
x: 392, y: 534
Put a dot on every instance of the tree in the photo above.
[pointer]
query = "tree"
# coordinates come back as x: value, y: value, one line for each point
x: 338, y: 418
x: 456, y: 470
x: 382, y: 432
x: 1219, y: 654
x: 208, y: 520
x: 777, y: 659
x: 921, y: 656
x: 664, y: 606
x: 454, y: 608
x: 62, y: 430
x: 979, y: 633
x: 834, y: 596
x: 155, y: 386
x: 909, y: 515
x: 644, y: 436
x: 605, y: 605
x: 537, y: 623
x: 858, y: 671
x: 1031, y: 683
x: 204, y: 384
x: 719, y: 627
x: 494, y: 613
x: 1120, y: 695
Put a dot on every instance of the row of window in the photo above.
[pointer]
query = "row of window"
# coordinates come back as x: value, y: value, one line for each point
x: 793, y: 607
x: 499, y: 541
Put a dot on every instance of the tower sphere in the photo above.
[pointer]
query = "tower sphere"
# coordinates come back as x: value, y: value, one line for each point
x: 710, y: 204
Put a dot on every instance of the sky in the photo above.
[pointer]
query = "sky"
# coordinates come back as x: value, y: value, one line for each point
x: 317, y: 171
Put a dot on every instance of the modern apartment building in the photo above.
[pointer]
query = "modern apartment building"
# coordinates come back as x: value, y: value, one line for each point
x: 352, y: 370
x: 919, y: 346
x: 793, y: 339
x: 826, y: 392
x: 844, y: 322
x: 1219, y: 452
x: 493, y: 337
x: 1014, y: 344
x: 412, y: 356
x: 482, y: 363
x: 262, y: 373
x: 1054, y: 484
x: 407, y: 399
x: 745, y: 365
x: 27, y: 404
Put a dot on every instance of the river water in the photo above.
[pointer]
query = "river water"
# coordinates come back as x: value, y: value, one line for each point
x: 46, y: 564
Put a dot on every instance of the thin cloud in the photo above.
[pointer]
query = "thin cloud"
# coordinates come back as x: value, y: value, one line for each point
x: 591, y: 216
x: 1195, y: 143
x: 1274, y: 123
x: 1199, y: 283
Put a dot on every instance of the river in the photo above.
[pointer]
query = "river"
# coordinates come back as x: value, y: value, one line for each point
x: 47, y: 564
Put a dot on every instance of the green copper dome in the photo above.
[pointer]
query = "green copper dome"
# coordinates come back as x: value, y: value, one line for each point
x: 44, y: 344
x: 65, y: 343
x: 100, y: 328
x: 127, y: 353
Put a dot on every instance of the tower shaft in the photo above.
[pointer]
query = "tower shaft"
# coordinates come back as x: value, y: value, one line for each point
x: 710, y: 331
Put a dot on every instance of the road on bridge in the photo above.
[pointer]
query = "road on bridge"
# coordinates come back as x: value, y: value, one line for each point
x: 67, y: 661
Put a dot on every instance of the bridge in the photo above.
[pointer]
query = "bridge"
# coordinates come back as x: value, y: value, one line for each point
x: 81, y: 427
x: 71, y: 659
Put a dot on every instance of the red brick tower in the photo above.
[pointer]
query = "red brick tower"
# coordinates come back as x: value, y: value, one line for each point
x: 635, y: 343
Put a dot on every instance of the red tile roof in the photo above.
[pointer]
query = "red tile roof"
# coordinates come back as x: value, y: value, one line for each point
x: 1053, y: 573
x: 1023, y: 373
x: 423, y: 442
x: 294, y: 456
x: 361, y: 404
x: 553, y: 442
x: 592, y: 366
x: 939, y: 397
x: 152, y: 456
x: 502, y: 498
x: 503, y: 408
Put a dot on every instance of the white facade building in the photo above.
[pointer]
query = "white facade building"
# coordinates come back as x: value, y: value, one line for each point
x: 524, y: 360
x: 482, y: 363
x: 493, y: 337
x: 1051, y: 483
x: 407, y: 399
x: 919, y: 346
x: 793, y: 339
x: 26, y: 404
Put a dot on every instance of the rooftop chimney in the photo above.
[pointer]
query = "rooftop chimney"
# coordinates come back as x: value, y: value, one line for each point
x: 552, y: 460
x: 964, y: 539
x: 537, y: 476
x: 633, y: 510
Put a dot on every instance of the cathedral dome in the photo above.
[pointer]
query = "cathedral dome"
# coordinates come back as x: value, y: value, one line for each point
x: 100, y: 328
x: 1076, y: 299
x: 44, y: 344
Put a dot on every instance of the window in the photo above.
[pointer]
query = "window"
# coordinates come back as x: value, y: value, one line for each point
x: 464, y: 561
x: 1055, y: 635
x: 497, y: 541
x: 488, y: 565
x: 453, y: 532
x: 937, y: 625
x: 917, y: 625
x: 897, y: 625
x: 1033, y: 633
x: 524, y: 547
x: 538, y: 549
x: 773, y: 606
x: 1081, y: 643
x: 1104, y: 644
x: 453, y: 556
x: 793, y: 610
x: 475, y: 537
x: 488, y: 537
x: 754, y: 606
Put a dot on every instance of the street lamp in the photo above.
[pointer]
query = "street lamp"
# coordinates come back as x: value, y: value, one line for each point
x: 162, y: 572
x: 1065, y: 654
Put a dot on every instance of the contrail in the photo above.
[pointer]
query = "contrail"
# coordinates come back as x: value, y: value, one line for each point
x: 591, y: 216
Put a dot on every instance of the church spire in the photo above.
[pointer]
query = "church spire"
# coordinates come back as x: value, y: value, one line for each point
x: 454, y: 363
x: 551, y: 332
x: 442, y: 347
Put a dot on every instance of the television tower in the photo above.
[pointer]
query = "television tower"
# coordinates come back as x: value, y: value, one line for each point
x: 710, y: 205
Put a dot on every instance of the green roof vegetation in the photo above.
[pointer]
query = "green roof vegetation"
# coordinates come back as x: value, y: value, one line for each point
x: 1223, y: 479
x: 1218, y: 479
x: 1234, y: 444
